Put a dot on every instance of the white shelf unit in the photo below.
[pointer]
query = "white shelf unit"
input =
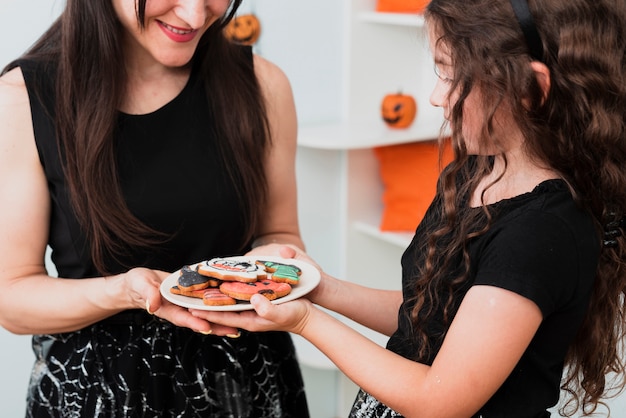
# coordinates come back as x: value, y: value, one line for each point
x: 395, y: 19
x: 340, y: 191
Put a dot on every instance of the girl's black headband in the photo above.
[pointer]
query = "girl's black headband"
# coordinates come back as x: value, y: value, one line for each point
x: 526, y: 22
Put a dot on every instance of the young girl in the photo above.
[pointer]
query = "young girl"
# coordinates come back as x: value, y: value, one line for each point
x: 518, y: 271
x: 136, y: 139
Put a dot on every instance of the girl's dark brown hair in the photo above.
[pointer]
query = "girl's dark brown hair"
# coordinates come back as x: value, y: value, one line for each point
x: 579, y: 130
x: 86, y: 42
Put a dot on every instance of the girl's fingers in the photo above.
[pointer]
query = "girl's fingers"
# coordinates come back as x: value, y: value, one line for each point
x: 287, y: 252
x: 261, y: 305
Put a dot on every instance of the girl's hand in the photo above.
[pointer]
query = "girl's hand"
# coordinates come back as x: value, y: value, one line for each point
x: 285, y: 251
x: 277, y: 250
x: 267, y: 316
x: 291, y: 251
x: 290, y: 316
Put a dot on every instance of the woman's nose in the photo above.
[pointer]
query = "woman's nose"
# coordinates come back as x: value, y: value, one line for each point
x: 192, y: 12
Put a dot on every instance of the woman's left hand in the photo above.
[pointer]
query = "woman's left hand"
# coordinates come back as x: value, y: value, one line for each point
x: 290, y: 316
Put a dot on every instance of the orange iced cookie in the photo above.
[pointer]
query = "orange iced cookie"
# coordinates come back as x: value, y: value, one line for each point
x: 244, y: 291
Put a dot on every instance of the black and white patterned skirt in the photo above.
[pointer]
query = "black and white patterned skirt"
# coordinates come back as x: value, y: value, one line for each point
x: 139, y: 366
x: 366, y: 406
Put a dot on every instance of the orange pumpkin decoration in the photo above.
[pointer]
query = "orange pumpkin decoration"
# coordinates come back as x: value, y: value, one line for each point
x: 244, y: 29
x: 402, y: 6
x: 398, y: 110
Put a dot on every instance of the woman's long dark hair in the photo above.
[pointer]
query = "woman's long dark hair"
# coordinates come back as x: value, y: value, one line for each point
x: 579, y: 130
x: 86, y: 44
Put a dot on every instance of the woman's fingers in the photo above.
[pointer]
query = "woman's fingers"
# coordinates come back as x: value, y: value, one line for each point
x: 224, y: 331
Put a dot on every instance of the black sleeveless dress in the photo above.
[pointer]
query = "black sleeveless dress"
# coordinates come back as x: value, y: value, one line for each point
x: 133, y: 364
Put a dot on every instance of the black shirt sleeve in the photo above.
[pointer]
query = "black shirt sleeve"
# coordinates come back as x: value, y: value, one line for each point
x: 537, y: 255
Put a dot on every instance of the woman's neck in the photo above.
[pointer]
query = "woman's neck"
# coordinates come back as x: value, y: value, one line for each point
x: 152, y: 88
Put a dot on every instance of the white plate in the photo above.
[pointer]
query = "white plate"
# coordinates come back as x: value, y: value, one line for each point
x: 309, y: 279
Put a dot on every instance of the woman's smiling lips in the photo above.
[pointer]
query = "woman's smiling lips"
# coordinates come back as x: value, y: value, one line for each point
x: 177, y: 34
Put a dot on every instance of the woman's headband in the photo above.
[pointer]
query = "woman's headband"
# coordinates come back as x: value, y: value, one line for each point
x: 526, y: 22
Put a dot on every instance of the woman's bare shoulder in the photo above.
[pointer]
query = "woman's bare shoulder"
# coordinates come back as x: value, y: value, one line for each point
x: 15, y: 112
x: 270, y: 74
x: 12, y: 90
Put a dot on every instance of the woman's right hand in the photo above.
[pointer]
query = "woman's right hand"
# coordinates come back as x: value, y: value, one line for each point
x: 143, y: 288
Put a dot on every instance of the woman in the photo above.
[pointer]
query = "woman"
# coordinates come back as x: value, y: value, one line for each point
x: 139, y: 140
x: 518, y: 268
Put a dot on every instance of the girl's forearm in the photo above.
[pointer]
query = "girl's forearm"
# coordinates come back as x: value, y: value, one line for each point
x: 348, y: 299
x: 366, y: 363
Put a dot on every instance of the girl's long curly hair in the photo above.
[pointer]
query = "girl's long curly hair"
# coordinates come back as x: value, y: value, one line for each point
x: 86, y: 44
x: 579, y: 130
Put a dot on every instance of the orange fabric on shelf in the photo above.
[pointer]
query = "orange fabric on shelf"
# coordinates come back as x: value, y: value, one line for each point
x: 402, y: 6
x: 409, y: 173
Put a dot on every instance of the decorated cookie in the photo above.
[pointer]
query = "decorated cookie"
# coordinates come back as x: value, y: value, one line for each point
x: 198, y: 293
x: 282, y: 273
x: 213, y: 297
x: 244, y: 291
x: 190, y: 279
x: 232, y: 270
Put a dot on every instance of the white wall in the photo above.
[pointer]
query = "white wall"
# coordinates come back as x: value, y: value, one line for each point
x: 21, y: 23
x: 303, y: 38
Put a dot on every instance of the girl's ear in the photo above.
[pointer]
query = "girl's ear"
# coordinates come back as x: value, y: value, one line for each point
x: 542, y: 74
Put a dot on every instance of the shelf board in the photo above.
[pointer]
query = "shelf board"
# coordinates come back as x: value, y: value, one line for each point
x: 401, y: 239
x: 397, y: 19
x: 346, y: 135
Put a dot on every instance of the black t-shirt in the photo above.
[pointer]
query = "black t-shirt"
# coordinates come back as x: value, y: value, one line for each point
x: 541, y: 246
